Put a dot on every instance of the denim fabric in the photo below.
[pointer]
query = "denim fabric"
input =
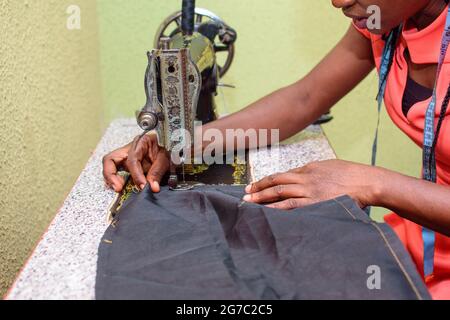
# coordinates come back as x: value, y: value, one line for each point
x: 207, y: 244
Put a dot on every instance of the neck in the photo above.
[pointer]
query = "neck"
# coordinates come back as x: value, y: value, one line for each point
x: 427, y: 15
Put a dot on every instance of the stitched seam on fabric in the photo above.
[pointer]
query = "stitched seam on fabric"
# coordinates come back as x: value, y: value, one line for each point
x: 351, y: 214
x: 383, y: 236
x: 408, y: 278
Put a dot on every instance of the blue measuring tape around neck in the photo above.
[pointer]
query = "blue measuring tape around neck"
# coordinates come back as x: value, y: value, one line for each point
x: 430, y: 136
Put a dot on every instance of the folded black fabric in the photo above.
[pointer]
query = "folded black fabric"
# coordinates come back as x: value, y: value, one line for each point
x: 207, y: 244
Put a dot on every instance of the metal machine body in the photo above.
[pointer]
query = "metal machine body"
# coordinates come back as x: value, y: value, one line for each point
x: 174, y: 82
x: 182, y: 76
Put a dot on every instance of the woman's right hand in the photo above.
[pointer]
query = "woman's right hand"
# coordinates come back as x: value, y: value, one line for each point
x: 143, y: 159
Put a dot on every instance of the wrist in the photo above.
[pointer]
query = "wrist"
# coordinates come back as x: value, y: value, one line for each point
x: 378, y: 187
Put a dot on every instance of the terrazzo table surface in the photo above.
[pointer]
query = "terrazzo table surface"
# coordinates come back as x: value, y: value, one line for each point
x: 64, y: 263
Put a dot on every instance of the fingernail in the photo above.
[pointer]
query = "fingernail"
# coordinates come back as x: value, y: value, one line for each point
x: 142, y: 186
x: 155, y: 186
x: 247, y: 198
x: 248, y: 188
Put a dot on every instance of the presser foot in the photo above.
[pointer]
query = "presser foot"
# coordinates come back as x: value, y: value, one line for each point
x: 175, y: 185
x: 185, y: 186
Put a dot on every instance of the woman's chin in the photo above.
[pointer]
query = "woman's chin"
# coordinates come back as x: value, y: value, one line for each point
x: 363, y: 23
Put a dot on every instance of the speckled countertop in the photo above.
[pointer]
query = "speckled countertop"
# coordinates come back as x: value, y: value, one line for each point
x: 64, y: 263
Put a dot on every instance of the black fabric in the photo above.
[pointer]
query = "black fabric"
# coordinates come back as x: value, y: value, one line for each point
x: 208, y: 244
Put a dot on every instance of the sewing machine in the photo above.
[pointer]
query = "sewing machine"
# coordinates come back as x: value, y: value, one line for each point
x: 181, y: 81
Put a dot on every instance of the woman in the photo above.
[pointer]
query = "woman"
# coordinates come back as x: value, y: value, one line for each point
x: 406, y: 51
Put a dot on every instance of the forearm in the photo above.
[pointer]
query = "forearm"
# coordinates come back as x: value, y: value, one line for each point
x: 293, y: 108
x: 420, y: 201
x: 288, y: 110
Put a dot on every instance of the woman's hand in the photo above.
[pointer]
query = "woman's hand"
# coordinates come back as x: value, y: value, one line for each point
x: 142, y: 156
x: 315, y: 182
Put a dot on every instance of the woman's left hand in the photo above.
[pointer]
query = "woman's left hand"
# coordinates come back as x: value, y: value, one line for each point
x: 315, y: 182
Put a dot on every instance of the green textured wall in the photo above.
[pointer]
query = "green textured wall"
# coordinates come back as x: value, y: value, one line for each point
x: 50, y: 119
x: 279, y: 42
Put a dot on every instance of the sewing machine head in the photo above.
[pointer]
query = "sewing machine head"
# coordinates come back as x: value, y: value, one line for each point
x: 183, y: 74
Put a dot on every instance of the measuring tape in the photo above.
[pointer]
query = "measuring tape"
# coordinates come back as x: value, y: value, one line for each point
x: 430, y: 136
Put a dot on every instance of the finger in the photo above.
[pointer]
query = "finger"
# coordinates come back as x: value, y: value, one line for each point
x: 273, y: 180
x: 153, y: 147
x: 109, y: 169
x: 290, y: 204
x: 110, y: 173
x: 157, y: 171
x: 146, y: 165
x: 118, y: 183
x: 279, y: 192
x: 148, y: 143
x: 135, y: 157
x: 137, y: 173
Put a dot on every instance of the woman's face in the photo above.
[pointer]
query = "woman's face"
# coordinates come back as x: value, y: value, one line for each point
x: 392, y: 12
